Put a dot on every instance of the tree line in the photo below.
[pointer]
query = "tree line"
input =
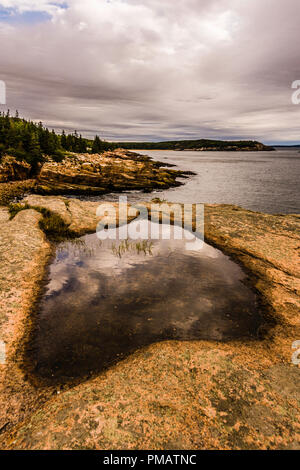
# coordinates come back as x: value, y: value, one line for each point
x: 200, y: 144
x: 31, y: 142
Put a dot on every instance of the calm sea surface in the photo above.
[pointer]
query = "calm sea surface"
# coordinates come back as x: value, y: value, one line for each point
x: 260, y: 181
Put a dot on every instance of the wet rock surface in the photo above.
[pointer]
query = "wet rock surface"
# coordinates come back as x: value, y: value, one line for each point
x: 170, y: 395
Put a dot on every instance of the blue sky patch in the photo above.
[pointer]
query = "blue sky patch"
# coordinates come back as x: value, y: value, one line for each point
x: 12, y: 16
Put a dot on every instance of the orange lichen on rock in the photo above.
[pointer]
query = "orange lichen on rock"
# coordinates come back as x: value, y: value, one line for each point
x: 170, y: 395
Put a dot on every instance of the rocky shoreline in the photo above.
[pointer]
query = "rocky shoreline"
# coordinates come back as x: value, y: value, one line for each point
x: 171, y: 395
x: 86, y: 174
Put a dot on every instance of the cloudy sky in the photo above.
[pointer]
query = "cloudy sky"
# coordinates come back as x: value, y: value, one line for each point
x: 154, y: 69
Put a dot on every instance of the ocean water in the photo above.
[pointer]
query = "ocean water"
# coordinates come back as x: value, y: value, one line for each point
x: 259, y: 181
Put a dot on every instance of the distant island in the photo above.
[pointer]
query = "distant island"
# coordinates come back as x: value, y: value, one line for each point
x: 199, y: 145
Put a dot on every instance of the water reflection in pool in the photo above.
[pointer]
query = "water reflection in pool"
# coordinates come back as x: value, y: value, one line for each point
x: 105, y: 299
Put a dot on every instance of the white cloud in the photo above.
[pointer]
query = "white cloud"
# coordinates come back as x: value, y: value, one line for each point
x: 214, y: 68
x: 22, y: 6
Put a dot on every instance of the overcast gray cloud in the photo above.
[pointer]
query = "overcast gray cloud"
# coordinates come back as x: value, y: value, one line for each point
x: 154, y: 69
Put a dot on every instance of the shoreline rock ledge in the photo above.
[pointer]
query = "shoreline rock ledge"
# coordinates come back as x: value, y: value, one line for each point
x: 118, y: 170
x: 172, y: 395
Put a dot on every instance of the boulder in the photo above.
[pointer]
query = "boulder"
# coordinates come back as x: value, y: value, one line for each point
x: 13, y: 170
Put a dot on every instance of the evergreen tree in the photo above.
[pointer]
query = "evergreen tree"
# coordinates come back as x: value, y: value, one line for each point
x: 63, y: 140
x: 31, y: 142
x: 34, y: 149
x: 97, y: 145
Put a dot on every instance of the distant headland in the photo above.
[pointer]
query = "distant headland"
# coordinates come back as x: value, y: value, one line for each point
x: 199, y: 145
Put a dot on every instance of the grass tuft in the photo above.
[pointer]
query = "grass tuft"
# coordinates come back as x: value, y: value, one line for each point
x: 14, y: 209
x: 52, y: 224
